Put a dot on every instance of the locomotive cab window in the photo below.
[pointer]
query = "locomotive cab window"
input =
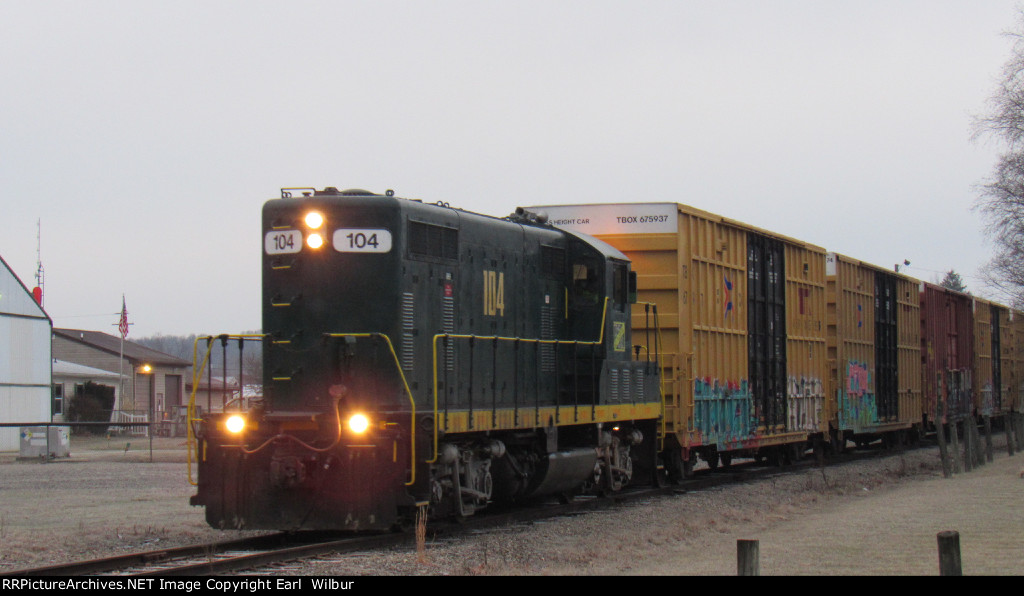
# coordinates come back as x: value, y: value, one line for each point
x: 552, y: 262
x: 620, y: 287
x: 586, y: 283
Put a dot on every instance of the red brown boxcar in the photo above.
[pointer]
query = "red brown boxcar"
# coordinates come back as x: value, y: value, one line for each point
x: 947, y: 354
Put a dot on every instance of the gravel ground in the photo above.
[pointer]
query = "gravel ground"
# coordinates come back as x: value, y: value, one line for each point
x: 112, y: 496
x: 877, y: 518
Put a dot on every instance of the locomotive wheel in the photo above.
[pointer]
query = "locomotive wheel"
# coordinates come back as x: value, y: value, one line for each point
x: 622, y: 478
x: 593, y: 485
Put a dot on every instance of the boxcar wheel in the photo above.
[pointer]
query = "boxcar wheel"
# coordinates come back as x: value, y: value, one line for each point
x: 688, y: 468
x: 675, y: 468
x: 711, y: 456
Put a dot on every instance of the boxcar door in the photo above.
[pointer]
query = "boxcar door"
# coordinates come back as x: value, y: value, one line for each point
x: 766, y: 328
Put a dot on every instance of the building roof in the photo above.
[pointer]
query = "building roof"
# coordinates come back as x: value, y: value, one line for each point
x: 112, y: 344
x: 217, y: 383
x: 63, y: 368
x: 15, y: 297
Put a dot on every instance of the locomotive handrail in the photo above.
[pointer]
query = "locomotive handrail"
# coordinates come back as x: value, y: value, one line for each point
x: 497, y: 338
x: 408, y: 392
x: 648, y: 308
x: 197, y: 374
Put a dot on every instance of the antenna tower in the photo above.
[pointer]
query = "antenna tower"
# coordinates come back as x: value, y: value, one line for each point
x: 39, y: 261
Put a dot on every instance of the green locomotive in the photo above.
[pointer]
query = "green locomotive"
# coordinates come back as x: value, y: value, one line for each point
x: 417, y: 356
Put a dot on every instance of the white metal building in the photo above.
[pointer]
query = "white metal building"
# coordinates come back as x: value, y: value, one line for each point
x: 25, y: 362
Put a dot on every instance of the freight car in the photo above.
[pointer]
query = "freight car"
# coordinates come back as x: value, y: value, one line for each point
x: 743, y: 316
x: 418, y: 358
x: 993, y: 366
x: 874, y: 352
x: 947, y: 354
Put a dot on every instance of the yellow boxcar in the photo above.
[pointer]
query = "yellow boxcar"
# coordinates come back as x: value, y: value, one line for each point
x: 741, y: 322
x: 993, y: 358
x: 874, y: 351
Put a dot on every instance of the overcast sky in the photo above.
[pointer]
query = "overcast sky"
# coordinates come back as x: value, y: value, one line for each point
x: 145, y: 136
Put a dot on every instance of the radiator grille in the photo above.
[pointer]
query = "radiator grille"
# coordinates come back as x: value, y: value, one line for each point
x: 408, y: 321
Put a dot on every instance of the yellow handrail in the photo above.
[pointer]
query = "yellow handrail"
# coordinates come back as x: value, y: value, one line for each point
x: 197, y: 375
x: 599, y: 341
x: 405, y: 383
x: 661, y: 373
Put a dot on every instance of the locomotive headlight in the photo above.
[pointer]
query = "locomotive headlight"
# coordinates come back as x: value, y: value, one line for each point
x: 314, y: 220
x: 235, y: 424
x: 315, y: 240
x: 358, y: 423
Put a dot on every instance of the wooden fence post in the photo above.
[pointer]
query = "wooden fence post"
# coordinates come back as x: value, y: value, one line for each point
x: 748, y: 557
x: 954, y: 441
x: 940, y: 433
x: 989, y: 456
x: 1011, y: 438
x: 976, y: 448
x: 968, y: 444
x: 940, y: 427
x: 949, y: 553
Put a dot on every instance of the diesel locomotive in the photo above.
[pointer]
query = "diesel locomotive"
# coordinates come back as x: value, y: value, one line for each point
x: 422, y: 358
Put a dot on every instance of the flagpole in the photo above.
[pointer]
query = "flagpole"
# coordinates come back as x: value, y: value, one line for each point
x: 120, y: 374
x: 122, y: 327
x: 121, y: 356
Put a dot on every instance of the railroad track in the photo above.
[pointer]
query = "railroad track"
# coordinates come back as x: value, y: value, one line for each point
x: 273, y: 550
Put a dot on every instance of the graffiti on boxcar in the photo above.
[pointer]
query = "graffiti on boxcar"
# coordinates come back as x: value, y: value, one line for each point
x: 723, y: 411
x: 955, y: 386
x: 805, y: 403
x: 857, y: 407
x: 858, y: 379
x: 728, y: 297
x: 988, y: 400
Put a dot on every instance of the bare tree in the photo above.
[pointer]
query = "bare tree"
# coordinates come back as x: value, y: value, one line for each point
x: 1001, y: 196
x: 252, y: 366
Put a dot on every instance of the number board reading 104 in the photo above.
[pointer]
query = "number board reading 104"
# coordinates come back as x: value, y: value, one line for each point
x: 362, y: 240
x: 282, y: 242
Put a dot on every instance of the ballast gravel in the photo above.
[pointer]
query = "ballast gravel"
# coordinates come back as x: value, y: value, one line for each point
x: 876, y: 517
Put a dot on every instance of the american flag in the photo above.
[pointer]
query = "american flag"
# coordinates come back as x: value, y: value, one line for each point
x: 123, y: 325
